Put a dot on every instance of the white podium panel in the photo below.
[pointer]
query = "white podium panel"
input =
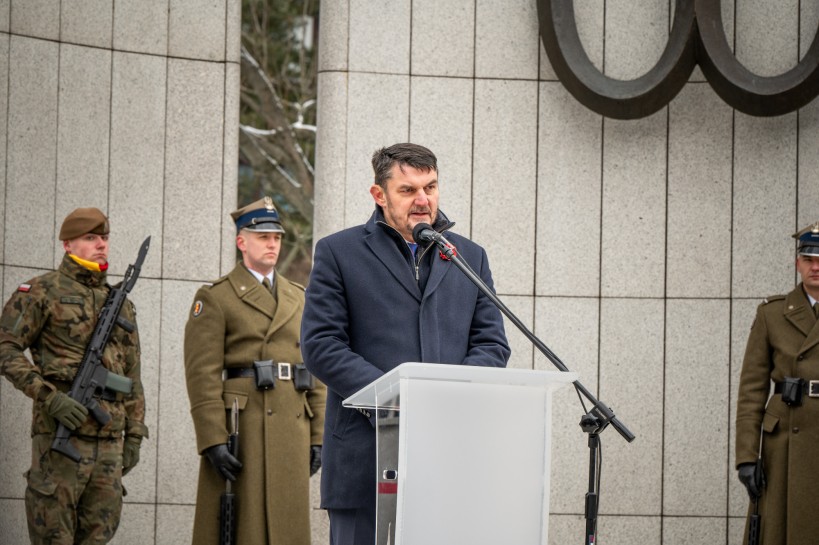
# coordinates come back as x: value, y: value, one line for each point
x: 463, y: 453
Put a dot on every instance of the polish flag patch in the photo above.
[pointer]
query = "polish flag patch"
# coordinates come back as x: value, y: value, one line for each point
x: 25, y: 288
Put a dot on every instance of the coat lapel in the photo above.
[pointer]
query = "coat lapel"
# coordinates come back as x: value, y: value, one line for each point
x: 251, y: 292
x: 799, y: 313
x: 287, y: 305
x: 440, y: 268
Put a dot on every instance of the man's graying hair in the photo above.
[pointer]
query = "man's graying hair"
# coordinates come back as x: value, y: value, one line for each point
x: 411, y: 155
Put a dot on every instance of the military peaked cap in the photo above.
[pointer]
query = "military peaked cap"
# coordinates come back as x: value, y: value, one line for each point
x: 260, y: 216
x: 808, y: 240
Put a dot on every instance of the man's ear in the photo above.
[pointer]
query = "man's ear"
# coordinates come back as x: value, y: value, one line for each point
x: 378, y: 194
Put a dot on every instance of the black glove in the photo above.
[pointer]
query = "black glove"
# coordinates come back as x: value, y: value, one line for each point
x: 747, y: 476
x: 315, y: 459
x: 223, y: 461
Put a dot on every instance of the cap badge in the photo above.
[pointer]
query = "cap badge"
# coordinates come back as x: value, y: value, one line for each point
x: 268, y: 203
x: 815, y: 228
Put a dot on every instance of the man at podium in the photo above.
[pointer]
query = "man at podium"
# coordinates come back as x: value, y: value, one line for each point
x: 377, y: 299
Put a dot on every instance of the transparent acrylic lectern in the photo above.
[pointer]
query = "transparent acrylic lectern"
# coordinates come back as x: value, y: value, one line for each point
x: 463, y: 453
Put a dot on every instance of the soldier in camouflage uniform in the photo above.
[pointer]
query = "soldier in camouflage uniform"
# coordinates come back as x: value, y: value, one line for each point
x: 54, y: 316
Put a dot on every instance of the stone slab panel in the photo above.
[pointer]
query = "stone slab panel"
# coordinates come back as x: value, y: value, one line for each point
x: 35, y: 18
x: 177, y: 459
x: 764, y: 204
x: 736, y: 530
x: 508, y: 50
x: 32, y: 133
x: 693, y: 530
x: 631, y: 383
x: 5, y: 13
x: 334, y: 37
x: 194, y: 156
x: 569, y: 328
x: 331, y: 154
x: 174, y: 524
x: 379, y: 36
x: 141, y: 27
x: 4, y: 89
x: 230, y: 167
x: 505, y: 171
x: 767, y: 37
x: 441, y: 119
x: 83, y: 129
x: 808, y: 167
x: 197, y: 29
x: 137, y: 158
x: 620, y: 530
x: 13, y: 520
x: 233, y: 32
x: 137, y: 524
x: 634, y: 207
x: 636, y: 35
x: 443, y: 38
x: 569, y: 184
x: 699, y: 194
x: 697, y: 378
x: 87, y: 22
x: 377, y: 116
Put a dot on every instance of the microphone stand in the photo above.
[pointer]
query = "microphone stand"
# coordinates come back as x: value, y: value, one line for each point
x: 593, y: 422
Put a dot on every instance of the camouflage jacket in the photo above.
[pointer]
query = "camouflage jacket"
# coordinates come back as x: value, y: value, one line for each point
x: 53, y: 315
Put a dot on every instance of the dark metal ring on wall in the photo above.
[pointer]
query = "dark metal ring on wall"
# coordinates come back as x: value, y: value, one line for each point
x: 697, y: 37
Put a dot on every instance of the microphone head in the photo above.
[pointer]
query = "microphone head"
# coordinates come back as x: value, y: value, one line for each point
x: 416, y: 233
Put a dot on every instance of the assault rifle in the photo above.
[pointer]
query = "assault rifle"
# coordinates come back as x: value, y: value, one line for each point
x: 92, y: 378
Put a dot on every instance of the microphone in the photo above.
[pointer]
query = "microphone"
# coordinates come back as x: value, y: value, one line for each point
x: 423, y: 232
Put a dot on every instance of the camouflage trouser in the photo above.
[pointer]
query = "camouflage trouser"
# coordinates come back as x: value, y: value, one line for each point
x: 71, y: 503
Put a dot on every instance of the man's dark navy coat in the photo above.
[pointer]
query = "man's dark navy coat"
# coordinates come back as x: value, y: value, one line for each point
x: 365, y: 314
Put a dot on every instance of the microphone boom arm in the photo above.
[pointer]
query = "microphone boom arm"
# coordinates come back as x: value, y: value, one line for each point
x: 603, y: 413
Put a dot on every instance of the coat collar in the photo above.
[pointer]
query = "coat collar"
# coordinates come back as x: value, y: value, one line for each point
x: 250, y: 291
x: 383, y: 240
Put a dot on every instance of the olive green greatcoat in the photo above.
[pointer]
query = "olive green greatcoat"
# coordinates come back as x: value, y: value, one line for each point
x: 232, y: 323
x: 784, y: 341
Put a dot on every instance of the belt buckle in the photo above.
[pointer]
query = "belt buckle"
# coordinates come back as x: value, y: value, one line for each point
x: 286, y: 374
x: 813, y: 388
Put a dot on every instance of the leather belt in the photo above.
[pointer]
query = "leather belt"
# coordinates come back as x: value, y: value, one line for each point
x: 809, y: 387
x: 282, y: 370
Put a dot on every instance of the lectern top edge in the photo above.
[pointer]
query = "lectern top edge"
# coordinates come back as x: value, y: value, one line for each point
x: 386, y: 387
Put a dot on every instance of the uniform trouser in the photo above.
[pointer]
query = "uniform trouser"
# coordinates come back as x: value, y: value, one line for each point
x: 352, y: 526
x: 73, y: 503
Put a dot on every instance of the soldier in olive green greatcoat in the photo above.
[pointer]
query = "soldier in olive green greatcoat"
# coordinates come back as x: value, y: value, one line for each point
x: 54, y: 316
x: 783, y: 348
x: 242, y: 343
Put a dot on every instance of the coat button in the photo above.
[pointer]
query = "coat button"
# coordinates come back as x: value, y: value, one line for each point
x: 800, y: 357
x: 795, y: 430
x: 269, y: 412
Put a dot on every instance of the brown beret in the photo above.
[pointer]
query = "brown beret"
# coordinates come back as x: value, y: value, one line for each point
x: 82, y: 221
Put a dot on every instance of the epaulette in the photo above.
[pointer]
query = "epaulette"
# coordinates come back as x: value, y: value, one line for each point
x: 772, y: 298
